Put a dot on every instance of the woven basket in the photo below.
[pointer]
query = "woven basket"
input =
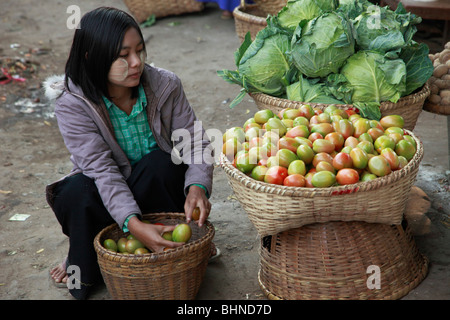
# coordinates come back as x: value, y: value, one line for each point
x: 408, y: 107
x: 249, y: 18
x: 142, y: 9
x: 275, y: 208
x: 332, y: 260
x: 271, y: 7
x: 171, y: 275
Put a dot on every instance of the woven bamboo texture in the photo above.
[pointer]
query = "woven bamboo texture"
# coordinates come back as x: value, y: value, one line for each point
x: 274, y: 208
x: 331, y: 261
x: 409, y: 107
x: 175, y: 274
x: 142, y: 9
x: 249, y: 19
x: 271, y: 7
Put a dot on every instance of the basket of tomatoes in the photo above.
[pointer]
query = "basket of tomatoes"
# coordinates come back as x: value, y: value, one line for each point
x: 289, y: 169
x: 132, y: 272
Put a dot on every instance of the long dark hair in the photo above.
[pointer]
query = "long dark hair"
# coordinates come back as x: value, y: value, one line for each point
x: 96, y: 45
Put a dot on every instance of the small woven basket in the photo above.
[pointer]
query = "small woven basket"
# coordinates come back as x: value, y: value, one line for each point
x: 409, y: 107
x: 339, y: 260
x: 175, y: 274
x: 274, y: 208
x: 142, y: 9
x: 249, y: 18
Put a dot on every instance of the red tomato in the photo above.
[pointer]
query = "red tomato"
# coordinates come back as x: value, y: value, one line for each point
x: 342, y: 160
x: 295, y: 180
x: 276, y: 175
x: 347, y: 176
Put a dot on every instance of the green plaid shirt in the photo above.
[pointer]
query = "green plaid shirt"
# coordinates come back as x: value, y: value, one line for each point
x: 132, y: 131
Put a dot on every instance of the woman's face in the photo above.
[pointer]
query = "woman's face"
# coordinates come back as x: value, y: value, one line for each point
x: 127, y: 69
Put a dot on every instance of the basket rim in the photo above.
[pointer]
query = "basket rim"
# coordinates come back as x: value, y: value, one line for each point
x: 423, y: 93
x: 242, y: 15
x: 168, y: 255
x: 377, y: 183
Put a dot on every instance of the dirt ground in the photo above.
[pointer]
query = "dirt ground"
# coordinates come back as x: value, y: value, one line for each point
x: 194, y: 46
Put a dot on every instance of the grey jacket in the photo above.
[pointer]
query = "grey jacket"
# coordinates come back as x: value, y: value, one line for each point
x: 89, y: 137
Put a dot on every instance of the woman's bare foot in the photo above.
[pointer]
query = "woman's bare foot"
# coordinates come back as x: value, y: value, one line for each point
x: 58, y: 273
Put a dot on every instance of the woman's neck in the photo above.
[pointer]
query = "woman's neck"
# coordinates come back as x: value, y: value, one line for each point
x: 122, y: 98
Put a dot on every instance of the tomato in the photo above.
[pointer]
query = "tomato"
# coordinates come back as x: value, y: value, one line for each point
x: 252, y: 132
x: 351, y: 141
x: 255, y: 142
x: 231, y: 147
x: 259, y: 172
x: 391, y: 157
x: 359, y: 157
x: 298, y: 131
x: 294, y: 180
x: 350, y: 112
x: 384, y: 142
x: 347, y: 176
x: 361, y: 126
x: 367, y: 176
x: 305, y: 141
x: 406, y: 149
x: 234, y: 132
x: 342, y: 160
x: 379, y: 166
x: 308, y: 178
x: 322, y: 156
x: 392, y: 121
x: 262, y: 116
x: 306, y: 111
x: 323, y: 145
x: 324, y: 118
x: 305, y: 153
x: 337, y: 139
x: 288, y: 143
x: 375, y: 133
x: 244, y: 163
x: 291, y: 113
x: 366, y: 137
x: 344, y: 127
x: 323, y: 179
x: 322, y: 128
x: 268, y: 149
x: 182, y: 233
x: 366, y: 146
x: 339, y: 112
x: 301, y: 121
x: 276, y: 175
x: 285, y: 157
x: 297, y: 166
x: 276, y: 125
x: 314, y: 136
x: 325, y: 166
x: 289, y: 123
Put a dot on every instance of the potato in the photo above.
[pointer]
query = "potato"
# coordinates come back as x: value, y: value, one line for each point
x: 434, y: 89
x: 442, y: 84
x: 440, y: 70
x: 445, y: 94
x: 445, y: 101
x: 434, y: 98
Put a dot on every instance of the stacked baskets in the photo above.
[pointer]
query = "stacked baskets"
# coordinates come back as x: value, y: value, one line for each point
x: 175, y: 274
x: 319, y: 243
x: 142, y: 9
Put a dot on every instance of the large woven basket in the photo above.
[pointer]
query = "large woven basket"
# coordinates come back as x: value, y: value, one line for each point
x: 175, y: 274
x: 142, y: 9
x: 409, y: 107
x: 275, y: 208
x: 271, y: 7
x: 340, y: 260
x: 249, y: 18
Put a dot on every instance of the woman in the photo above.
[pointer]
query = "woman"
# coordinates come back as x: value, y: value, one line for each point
x: 117, y: 115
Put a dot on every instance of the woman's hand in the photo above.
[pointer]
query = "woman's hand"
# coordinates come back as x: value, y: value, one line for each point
x: 150, y: 235
x: 197, y: 198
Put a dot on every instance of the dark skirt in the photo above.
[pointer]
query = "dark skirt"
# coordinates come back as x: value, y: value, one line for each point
x: 157, y: 185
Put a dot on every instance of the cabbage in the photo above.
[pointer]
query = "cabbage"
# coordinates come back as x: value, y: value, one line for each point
x: 311, y: 90
x: 381, y: 29
x: 322, y: 45
x: 297, y: 10
x: 374, y: 78
x: 419, y: 67
x: 262, y: 65
x: 353, y: 8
